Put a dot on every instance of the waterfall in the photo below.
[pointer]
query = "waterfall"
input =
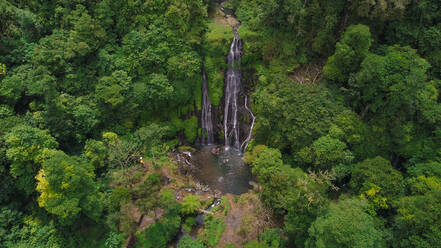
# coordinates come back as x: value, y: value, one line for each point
x: 244, y: 145
x: 207, y: 123
x: 232, y: 89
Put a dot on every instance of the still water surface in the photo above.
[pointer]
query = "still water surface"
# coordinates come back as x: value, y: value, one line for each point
x: 224, y: 171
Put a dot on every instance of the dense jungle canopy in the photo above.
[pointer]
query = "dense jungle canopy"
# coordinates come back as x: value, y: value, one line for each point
x: 99, y: 97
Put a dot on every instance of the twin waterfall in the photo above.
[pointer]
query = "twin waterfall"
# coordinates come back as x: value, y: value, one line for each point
x: 233, y: 80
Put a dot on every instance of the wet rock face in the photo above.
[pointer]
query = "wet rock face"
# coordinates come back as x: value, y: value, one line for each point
x: 183, y: 160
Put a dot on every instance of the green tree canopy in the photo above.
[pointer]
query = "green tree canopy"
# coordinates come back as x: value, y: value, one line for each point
x: 292, y: 115
x: 27, y: 148
x: 151, y: 137
x: 67, y: 188
x: 345, y: 224
x: 418, y: 222
x: 96, y: 152
x: 289, y: 190
x: 428, y: 169
x: 382, y: 9
x: 349, y: 53
x: 188, y: 242
x: 378, y: 172
x: 148, y: 194
x: 327, y: 151
x: 191, y: 204
x: 394, y: 85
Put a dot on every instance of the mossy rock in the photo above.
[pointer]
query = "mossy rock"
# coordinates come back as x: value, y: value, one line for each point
x: 186, y: 149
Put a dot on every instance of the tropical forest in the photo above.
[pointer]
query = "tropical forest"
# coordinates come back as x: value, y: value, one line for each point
x: 220, y: 123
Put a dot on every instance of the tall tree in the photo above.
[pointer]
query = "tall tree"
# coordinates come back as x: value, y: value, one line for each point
x: 381, y: 9
x: 27, y: 148
x: 349, y: 53
x: 327, y: 151
x: 378, y: 175
x: 67, y: 188
x: 148, y: 194
x: 292, y: 115
x: 345, y: 224
x: 418, y: 222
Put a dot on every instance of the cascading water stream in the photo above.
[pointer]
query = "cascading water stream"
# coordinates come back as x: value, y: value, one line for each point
x: 244, y: 145
x: 206, y: 120
x: 232, y: 89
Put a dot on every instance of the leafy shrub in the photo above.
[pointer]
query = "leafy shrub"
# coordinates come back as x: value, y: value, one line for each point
x: 191, y: 204
x: 188, y: 224
x: 226, y: 204
x: 160, y: 233
x: 214, y: 228
x: 188, y: 242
